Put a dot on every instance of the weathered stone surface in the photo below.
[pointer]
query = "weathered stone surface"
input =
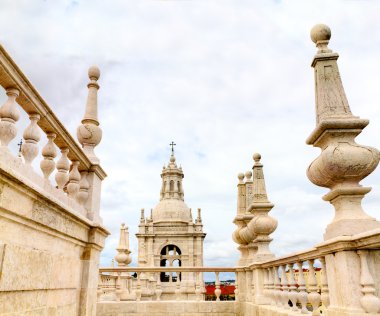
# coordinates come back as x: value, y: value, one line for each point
x: 169, y: 308
x: 49, y: 245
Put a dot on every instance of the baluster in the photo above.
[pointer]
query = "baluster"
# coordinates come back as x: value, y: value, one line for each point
x: 118, y: 287
x: 138, y: 288
x: 158, y: 288
x: 74, y: 178
x: 266, y: 284
x: 292, y: 288
x: 325, y: 297
x: 63, y: 165
x: 236, y: 291
x: 49, y: 153
x: 271, y: 287
x: 369, y: 301
x: 178, y: 288
x: 302, y: 294
x: 84, y: 186
x: 314, y: 297
x: 9, y: 114
x: 29, y: 148
x: 198, y: 286
x: 277, y: 292
x: 203, y: 286
x: 217, y: 286
x: 285, y: 289
x: 99, y: 291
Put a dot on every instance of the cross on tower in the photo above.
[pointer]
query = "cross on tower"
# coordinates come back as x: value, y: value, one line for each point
x: 172, y: 145
x: 19, y: 146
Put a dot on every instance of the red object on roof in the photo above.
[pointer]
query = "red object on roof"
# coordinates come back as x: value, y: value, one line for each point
x: 226, y: 289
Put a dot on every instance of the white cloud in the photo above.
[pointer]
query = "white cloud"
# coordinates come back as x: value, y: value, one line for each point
x: 223, y: 79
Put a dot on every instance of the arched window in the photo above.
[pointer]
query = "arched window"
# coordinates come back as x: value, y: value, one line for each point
x: 170, y: 257
x: 179, y: 188
x: 171, y: 187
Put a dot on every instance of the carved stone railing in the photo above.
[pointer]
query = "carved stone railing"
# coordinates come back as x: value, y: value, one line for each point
x: 311, y: 281
x: 145, y: 284
x: 51, y: 233
x: 78, y: 174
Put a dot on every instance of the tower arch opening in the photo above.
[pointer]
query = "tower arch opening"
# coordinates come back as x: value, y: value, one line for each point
x: 170, y: 256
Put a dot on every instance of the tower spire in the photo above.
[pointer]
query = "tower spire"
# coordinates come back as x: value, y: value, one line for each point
x: 172, y: 176
x: 171, y: 206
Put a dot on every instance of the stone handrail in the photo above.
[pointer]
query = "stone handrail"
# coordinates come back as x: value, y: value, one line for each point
x: 78, y: 173
x: 117, y: 284
x: 299, y: 282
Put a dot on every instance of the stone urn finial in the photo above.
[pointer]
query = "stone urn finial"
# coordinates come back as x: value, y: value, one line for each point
x: 262, y: 224
x: 254, y: 225
x: 123, y: 257
x: 89, y: 133
x: 342, y: 163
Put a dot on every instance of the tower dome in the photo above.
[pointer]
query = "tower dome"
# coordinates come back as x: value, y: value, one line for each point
x: 171, y: 207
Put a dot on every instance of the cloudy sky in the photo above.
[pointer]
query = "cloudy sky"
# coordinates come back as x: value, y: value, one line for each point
x: 223, y: 79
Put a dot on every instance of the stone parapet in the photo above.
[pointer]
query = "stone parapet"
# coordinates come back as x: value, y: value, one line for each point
x: 51, y: 234
x: 178, y: 308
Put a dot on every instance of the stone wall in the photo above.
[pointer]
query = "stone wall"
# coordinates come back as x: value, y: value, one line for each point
x: 168, y: 308
x: 48, y: 254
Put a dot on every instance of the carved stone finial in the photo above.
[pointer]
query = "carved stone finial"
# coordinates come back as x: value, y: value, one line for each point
x: 142, y: 216
x: 320, y: 34
x: 89, y: 133
x: 123, y: 257
x: 254, y: 223
x: 342, y: 163
x: 259, y: 189
x: 262, y: 225
x: 241, y: 200
x: 256, y: 157
x: 199, y: 217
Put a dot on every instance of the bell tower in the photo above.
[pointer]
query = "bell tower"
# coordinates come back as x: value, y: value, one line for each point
x: 169, y: 236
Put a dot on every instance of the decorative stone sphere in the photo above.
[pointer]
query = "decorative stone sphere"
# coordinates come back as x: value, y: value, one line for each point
x: 264, y: 225
x: 256, y: 157
x: 89, y: 134
x: 123, y: 258
x: 94, y: 72
x: 172, y: 158
x: 236, y: 237
x: 241, y: 176
x: 248, y: 175
x: 320, y: 32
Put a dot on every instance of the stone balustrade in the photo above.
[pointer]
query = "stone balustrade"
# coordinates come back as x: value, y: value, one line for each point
x: 51, y: 232
x: 313, y: 281
x: 307, y: 282
x: 147, y: 284
x: 78, y: 175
